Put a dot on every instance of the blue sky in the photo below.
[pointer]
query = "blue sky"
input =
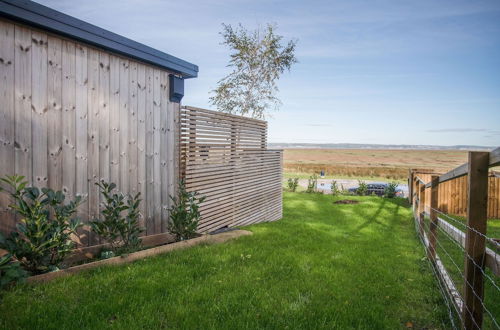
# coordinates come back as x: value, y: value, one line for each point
x: 404, y: 72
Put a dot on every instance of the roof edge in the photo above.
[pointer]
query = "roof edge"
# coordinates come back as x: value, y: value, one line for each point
x: 43, y: 17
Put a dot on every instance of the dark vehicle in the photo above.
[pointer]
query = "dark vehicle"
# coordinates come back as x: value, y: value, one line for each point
x: 377, y: 189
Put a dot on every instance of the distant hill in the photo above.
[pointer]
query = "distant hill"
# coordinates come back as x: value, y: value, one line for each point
x: 374, y: 146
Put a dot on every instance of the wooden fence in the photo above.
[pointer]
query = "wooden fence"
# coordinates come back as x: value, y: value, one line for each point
x: 224, y: 157
x: 452, y: 197
x: 463, y: 282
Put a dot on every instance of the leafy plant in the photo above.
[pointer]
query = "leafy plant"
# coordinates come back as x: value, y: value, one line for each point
x: 390, y: 190
x: 258, y: 60
x: 362, y: 188
x: 120, y: 224
x: 185, y: 213
x: 43, y: 236
x: 312, y: 184
x: 293, y: 183
x: 335, y: 188
x: 10, y: 271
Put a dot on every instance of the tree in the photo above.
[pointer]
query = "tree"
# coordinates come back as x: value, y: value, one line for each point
x: 258, y: 59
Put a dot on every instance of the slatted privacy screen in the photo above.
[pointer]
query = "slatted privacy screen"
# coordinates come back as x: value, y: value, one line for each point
x: 224, y: 157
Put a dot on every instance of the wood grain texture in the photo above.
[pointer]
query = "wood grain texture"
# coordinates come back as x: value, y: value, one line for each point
x: 157, y: 197
x: 68, y: 119
x: 224, y: 158
x: 93, y: 138
x: 7, y: 118
x: 141, y: 141
x: 22, y: 83
x: 81, y: 125
x: 475, y: 244
x: 73, y: 114
x: 54, y: 114
x: 39, y: 108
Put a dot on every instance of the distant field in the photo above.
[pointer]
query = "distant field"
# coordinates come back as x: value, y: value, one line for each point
x: 369, y: 163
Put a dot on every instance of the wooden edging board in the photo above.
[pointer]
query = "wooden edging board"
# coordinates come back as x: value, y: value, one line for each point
x: 205, y: 239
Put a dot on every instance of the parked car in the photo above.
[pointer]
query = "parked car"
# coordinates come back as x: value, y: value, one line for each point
x: 377, y: 189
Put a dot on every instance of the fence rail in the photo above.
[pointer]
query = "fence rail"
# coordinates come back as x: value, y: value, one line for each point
x: 224, y: 157
x: 464, y: 258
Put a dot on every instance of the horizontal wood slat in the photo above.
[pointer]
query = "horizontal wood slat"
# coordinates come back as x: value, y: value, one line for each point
x: 452, y: 197
x: 225, y: 158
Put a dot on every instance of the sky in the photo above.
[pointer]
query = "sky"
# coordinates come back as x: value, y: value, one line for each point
x: 379, y: 71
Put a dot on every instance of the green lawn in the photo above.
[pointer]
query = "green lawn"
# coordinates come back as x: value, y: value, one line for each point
x: 323, y: 266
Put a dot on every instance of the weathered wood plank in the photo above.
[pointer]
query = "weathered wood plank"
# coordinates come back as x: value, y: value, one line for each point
x: 477, y: 170
x: 7, y: 119
x: 22, y: 83
x: 157, y: 206
x: 68, y: 119
x: 149, y: 197
x: 39, y: 59
x: 93, y: 138
x: 124, y: 126
x: 141, y: 141
x: 81, y: 135
x: 114, y: 119
x: 54, y: 115
x: 104, y: 118
x: 165, y: 151
x: 132, y: 127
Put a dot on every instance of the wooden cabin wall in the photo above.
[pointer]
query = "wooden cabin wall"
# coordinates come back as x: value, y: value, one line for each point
x: 72, y: 114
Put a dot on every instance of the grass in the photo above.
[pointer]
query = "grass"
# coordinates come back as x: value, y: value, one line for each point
x: 323, y: 265
x: 370, y: 163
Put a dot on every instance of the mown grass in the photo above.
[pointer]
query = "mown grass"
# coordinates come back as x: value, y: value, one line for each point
x: 323, y: 265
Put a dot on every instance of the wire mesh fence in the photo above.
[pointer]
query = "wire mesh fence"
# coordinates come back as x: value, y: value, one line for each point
x: 464, y: 253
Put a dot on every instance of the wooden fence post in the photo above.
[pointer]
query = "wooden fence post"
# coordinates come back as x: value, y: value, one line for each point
x: 410, y: 186
x: 433, y: 222
x: 421, y: 208
x: 472, y: 313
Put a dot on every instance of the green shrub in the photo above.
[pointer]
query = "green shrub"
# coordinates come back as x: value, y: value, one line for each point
x: 184, y: 213
x: 390, y: 190
x: 43, y: 236
x: 335, y: 188
x: 362, y: 188
x: 312, y: 184
x: 293, y: 183
x: 11, y: 271
x: 120, y: 224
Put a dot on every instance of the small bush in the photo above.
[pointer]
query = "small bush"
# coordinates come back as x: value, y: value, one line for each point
x: 293, y: 183
x: 390, y: 190
x: 184, y: 213
x: 362, y: 188
x: 11, y: 271
x: 335, y: 188
x: 43, y: 236
x: 120, y: 224
x: 312, y: 184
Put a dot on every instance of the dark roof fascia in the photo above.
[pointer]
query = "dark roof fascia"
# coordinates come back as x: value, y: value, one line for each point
x: 37, y: 15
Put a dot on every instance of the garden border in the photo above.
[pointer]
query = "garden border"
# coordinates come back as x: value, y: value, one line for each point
x: 208, y: 239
